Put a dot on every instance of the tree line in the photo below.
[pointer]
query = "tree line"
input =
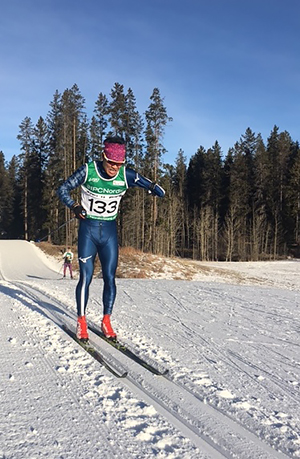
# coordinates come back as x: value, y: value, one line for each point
x: 241, y: 206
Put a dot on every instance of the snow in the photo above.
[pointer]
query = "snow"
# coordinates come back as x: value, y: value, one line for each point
x: 230, y: 339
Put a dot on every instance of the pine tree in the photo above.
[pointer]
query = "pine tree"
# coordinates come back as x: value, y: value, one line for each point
x: 212, y: 176
x: 16, y: 226
x: 117, y: 110
x: 132, y: 215
x: 99, y: 125
x: 134, y: 126
x: 73, y: 123
x: 54, y: 173
x: 156, y: 120
x: 279, y: 148
x: 37, y: 159
x: 204, y: 195
x: 238, y: 220
x: 26, y: 139
x: 260, y: 220
x: 179, y: 196
x: 169, y: 214
x: 285, y: 158
x: 293, y: 198
x: 195, y: 179
x: 6, y: 200
x: 95, y: 139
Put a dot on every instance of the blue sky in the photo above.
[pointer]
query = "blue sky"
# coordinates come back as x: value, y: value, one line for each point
x: 220, y: 65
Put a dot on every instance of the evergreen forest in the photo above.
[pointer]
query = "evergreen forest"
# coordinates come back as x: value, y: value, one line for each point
x: 241, y: 206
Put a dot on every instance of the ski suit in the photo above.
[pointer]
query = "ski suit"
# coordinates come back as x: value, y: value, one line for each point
x: 100, y: 197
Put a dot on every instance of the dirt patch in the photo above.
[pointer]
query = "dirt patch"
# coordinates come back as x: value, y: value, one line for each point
x: 139, y: 265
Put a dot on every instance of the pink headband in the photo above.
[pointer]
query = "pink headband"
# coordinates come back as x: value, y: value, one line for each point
x: 115, y: 152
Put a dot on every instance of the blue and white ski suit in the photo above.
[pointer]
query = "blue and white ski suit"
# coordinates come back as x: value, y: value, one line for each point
x: 99, y: 236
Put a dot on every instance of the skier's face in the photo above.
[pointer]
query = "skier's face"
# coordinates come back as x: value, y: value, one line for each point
x: 111, y: 168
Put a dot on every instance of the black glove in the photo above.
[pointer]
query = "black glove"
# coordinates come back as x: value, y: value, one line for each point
x: 152, y: 188
x: 156, y: 190
x: 79, y: 211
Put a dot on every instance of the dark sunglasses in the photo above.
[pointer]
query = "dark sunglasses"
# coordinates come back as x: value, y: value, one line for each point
x: 112, y: 163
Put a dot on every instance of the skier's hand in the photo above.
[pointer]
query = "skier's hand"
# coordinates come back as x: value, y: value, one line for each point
x: 79, y: 211
x: 156, y: 190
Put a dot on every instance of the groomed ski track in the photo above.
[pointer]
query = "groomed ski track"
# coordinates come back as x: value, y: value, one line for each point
x: 213, y: 431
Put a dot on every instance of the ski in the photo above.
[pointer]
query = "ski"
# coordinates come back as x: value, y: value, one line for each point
x: 93, y: 352
x: 128, y: 352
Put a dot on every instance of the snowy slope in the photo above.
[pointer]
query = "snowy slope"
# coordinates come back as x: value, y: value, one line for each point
x: 232, y: 349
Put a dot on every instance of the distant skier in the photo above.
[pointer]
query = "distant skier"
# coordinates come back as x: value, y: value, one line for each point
x: 103, y: 184
x: 68, y: 258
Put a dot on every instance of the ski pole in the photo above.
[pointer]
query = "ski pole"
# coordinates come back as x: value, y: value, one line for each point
x: 57, y: 229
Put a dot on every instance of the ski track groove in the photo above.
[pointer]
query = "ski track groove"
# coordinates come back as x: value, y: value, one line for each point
x: 227, y: 358
x: 232, y: 359
x: 27, y: 292
x: 64, y: 385
x: 205, y: 443
x: 211, y: 346
x: 292, y: 394
x: 190, y: 424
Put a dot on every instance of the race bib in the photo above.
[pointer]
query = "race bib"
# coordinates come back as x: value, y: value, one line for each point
x: 103, y: 207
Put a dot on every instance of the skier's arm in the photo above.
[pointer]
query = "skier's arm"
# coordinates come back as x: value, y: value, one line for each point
x: 74, y: 181
x: 135, y: 179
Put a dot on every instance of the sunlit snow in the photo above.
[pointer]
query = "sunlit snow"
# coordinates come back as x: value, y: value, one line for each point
x: 230, y: 340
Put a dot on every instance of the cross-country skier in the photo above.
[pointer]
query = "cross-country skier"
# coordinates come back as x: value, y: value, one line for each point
x: 68, y: 258
x: 103, y: 183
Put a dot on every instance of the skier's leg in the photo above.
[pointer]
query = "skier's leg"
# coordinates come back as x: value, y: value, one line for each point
x: 87, y: 251
x: 108, y: 255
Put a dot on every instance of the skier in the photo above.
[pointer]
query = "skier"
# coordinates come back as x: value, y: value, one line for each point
x: 103, y: 183
x: 68, y: 258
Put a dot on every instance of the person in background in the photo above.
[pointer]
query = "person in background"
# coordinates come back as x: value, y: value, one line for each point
x: 103, y: 184
x: 68, y: 258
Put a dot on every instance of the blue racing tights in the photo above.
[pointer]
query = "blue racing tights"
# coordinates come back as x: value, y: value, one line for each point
x: 97, y: 236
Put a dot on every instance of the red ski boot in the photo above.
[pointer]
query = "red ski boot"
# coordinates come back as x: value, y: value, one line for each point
x: 107, y: 328
x: 81, y: 331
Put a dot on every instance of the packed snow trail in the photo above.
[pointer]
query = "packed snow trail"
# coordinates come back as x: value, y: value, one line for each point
x: 195, y: 423
x: 232, y: 351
